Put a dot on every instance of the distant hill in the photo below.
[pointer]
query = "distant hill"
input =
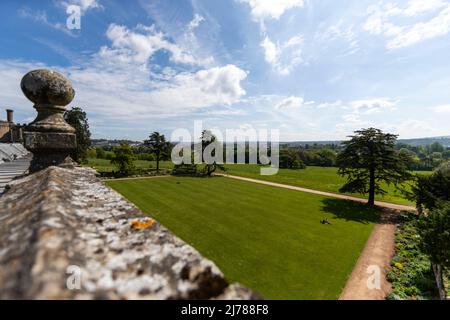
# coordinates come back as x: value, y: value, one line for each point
x: 310, y: 143
x: 112, y: 143
x: 444, y: 140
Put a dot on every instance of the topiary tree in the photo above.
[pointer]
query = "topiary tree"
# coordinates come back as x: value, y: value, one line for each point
x: 123, y: 159
x: 368, y: 159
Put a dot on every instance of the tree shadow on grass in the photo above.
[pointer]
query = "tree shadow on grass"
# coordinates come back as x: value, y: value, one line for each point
x: 351, y: 210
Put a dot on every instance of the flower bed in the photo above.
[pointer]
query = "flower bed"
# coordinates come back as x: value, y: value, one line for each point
x: 411, y: 275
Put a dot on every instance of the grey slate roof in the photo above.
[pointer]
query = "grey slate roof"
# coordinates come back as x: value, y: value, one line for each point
x: 14, y: 162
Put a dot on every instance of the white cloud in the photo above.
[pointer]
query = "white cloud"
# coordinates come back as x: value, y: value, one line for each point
x: 128, y: 94
x: 85, y: 5
x: 142, y: 43
x: 11, y: 74
x: 352, y: 118
x: 339, y: 32
x: 189, y: 41
x: 194, y: 23
x: 416, y: 7
x: 381, y: 18
x: 413, y: 128
x: 41, y: 16
x: 88, y: 4
x: 445, y: 108
x: 218, y: 85
x: 438, y: 26
x: 35, y: 15
x: 290, y: 102
x: 271, y: 51
x: 273, y: 9
x: 369, y: 106
x: 118, y: 83
x: 327, y: 105
x: 283, y: 57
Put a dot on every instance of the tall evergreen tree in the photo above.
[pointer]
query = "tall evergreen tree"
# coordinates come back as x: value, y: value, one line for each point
x: 158, y: 146
x: 369, y: 158
x: 429, y: 191
x: 77, y: 118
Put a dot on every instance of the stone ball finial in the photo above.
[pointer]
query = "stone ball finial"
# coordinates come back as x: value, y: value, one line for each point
x: 47, y: 87
x: 49, y: 137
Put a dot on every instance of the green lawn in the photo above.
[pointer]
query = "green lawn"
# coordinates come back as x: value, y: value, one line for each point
x: 318, y: 178
x: 269, y: 239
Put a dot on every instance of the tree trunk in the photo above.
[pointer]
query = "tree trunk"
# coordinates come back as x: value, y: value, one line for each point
x: 419, y: 208
x: 208, y: 170
x: 157, y: 162
x: 437, y: 269
x: 372, y: 188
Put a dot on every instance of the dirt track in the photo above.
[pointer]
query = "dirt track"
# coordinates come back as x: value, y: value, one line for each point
x: 377, y: 252
x: 323, y: 193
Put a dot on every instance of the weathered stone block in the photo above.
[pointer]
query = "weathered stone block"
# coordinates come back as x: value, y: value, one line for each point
x: 57, y: 221
x: 35, y: 141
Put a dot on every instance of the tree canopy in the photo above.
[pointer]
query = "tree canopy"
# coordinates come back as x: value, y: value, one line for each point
x: 435, y: 234
x: 429, y: 191
x: 290, y: 159
x: 369, y: 158
x: 77, y: 118
x: 123, y: 159
x: 159, y: 146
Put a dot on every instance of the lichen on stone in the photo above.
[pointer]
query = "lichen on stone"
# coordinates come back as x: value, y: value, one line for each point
x: 58, y: 218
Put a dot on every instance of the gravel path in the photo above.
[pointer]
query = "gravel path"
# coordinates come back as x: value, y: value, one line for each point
x: 322, y: 193
x: 377, y: 253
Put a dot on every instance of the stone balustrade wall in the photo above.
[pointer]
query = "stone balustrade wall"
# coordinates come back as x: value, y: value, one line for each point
x: 60, y: 228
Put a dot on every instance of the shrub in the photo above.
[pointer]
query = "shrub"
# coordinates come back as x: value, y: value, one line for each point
x: 91, y: 153
x: 185, y: 169
x: 290, y: 159
x: 123, y: 159
x: 100, y: 153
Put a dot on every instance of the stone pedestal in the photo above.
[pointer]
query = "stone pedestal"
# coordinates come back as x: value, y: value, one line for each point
x: 50, y: 149
x: 49, y: 137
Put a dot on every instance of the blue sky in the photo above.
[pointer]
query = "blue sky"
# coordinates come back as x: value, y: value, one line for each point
x: 314, y: 69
